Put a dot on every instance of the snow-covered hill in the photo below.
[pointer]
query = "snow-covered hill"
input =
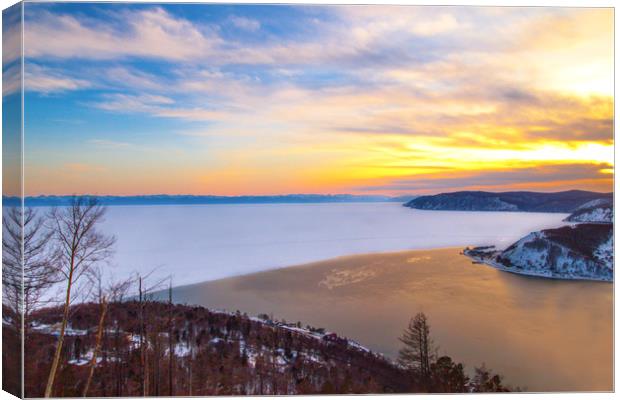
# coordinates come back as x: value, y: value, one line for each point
x: 583, y: 251
x: 595, y: 211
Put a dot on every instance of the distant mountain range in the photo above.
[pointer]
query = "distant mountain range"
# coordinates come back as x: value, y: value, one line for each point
x: 34, y: 201
x: 560, y: 202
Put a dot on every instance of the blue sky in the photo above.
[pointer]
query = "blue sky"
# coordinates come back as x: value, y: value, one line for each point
x: 221, y: 99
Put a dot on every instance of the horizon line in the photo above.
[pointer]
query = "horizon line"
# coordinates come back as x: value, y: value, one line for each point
x: 289, y: 194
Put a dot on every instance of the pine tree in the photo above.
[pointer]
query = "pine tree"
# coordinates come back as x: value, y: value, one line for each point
x: 418, y: 352
x: 486, y: 381
x: 448, y: 377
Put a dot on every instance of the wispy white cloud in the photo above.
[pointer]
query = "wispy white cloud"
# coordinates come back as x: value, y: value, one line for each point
x: 132, y: 78
x: 357, y: 38
x: 11, y: 80
x: 45, y: 80
x: 109, y: 144
x: 151, y: 33
x: 133, y: 103
x: 244, y: 23
x: 156, y: 105
x: 11, y: 35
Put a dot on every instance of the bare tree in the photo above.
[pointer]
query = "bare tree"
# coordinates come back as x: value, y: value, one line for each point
x: 79, y: 247
x: 115, y: 290
x: 28, y: 271
x: 170, y: 343
x: 117, y: 294
x: 144, y: 289
x: 418, y: 352
x: 103, y: 304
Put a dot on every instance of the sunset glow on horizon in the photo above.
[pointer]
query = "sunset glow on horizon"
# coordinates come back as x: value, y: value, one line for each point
x: 127, y: 99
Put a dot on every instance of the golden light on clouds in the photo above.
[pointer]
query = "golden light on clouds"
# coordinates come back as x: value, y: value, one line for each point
x: 594, y: 153
x: 364, y: 99
x: 574, y: 53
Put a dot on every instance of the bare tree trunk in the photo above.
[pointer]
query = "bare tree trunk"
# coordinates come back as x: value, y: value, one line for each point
x: 146, y: 367
x: 191, y: 357
x: 145, y: 346
x: 170, y: 344
x: 93, y: 360
x: 141, y: 318
x: 61, y: 338
x: 156, y: 358
x: 117, y: 354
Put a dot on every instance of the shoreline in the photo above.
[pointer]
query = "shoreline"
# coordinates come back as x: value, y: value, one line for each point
x: 532, y: 274
x: 338, y: 259
x: 319, y: 262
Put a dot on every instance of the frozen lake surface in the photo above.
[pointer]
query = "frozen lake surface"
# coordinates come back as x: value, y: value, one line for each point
x: 541, y: 334
x: 197, y: 243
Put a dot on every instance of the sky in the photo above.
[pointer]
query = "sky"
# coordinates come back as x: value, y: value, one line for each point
x: 128, y: 99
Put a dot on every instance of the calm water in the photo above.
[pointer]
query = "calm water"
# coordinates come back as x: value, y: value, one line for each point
x: 542, y: 335
x: 203, y: 242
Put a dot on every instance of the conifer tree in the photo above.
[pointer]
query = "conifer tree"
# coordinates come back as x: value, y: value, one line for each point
x: 418, y: 352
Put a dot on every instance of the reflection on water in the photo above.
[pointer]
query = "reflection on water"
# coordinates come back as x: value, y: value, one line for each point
x: 542, y: 335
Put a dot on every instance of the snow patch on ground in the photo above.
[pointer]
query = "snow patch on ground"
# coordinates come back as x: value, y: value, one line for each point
x: 54, y: 329
x: 182, y: 349
x: 86, y: 358
x: 605, y: 251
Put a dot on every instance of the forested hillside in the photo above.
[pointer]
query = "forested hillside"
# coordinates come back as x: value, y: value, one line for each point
x: 560, y: 202
x: 216, y: 353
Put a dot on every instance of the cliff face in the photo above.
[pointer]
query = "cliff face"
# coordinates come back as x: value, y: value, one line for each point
x: 595, y: 211
x: 507, y: 201
x: 584, y: 251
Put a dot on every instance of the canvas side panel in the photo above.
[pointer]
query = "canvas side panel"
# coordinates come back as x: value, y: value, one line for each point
x: 12, y: 185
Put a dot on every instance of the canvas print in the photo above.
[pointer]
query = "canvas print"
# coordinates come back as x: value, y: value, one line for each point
x: 226, y: 199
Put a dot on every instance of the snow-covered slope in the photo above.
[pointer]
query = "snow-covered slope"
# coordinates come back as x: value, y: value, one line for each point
x: 584, y: 251
x: 596, y: 211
